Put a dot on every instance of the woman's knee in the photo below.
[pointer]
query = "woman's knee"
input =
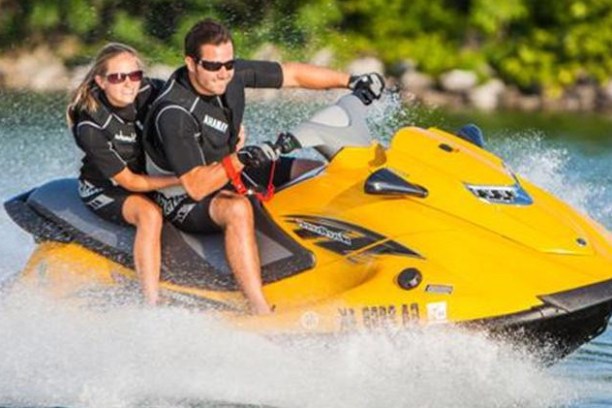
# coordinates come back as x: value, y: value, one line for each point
x: 141, y: 211
x: 151, y: 215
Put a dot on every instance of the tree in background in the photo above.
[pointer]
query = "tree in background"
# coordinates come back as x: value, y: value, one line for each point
x: 540, y: 46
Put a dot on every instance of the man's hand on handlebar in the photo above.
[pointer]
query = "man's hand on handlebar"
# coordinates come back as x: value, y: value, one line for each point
x: 367, y: 87
x: 258, y: 155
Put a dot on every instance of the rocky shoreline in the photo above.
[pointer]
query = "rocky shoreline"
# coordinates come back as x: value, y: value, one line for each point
x: 41, y: 70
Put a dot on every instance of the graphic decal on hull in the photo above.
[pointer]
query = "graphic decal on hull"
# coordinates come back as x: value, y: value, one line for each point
x: 344, y: 238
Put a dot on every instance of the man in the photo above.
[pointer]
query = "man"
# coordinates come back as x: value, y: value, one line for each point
x: 195, y: 131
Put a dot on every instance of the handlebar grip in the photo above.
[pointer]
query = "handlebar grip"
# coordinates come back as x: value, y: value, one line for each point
x: 286, y: 143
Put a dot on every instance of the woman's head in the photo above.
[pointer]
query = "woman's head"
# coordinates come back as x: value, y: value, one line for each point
x: 116, y: 71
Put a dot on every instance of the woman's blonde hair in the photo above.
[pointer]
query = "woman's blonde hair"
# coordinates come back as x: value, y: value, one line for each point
x: 82, y: 98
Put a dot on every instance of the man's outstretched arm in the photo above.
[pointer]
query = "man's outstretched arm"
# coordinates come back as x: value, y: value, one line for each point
x: 296, y: 74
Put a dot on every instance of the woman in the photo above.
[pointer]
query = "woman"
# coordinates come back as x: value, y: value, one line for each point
x: 105, y: 115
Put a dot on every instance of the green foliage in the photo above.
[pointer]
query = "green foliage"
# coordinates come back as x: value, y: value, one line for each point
x: 81, y: 18
x: 44, y: 16
x: 540, y: 46
x: 129, y: 30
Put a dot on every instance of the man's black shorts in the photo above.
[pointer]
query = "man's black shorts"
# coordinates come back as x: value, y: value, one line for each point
x: 194, y: 216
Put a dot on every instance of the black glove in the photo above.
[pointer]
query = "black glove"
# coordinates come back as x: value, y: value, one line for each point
x: 258, y: 155
x: 367, y: 87
x: 286, y: 143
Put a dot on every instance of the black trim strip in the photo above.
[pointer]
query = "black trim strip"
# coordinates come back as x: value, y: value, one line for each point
x: 580, y: 298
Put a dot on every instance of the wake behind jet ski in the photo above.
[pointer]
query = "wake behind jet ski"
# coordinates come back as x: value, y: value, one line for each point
x: 432, y: 230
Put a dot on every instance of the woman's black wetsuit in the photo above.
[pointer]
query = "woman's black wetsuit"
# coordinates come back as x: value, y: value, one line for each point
x: 111, y: 139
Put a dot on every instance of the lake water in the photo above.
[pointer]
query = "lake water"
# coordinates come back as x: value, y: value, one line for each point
x: 54, y: 356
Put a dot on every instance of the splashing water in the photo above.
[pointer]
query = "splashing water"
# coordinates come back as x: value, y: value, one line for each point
x: 57, y: 355
x: 583, y: 182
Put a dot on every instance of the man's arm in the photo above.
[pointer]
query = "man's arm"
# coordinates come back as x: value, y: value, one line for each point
x: 203, y: 180
x: 309, y: 76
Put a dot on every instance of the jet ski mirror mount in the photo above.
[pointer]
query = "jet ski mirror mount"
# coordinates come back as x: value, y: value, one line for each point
x: 386, y: 182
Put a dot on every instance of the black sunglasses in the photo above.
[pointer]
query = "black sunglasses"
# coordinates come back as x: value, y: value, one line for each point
x: 215, y: 65
x: 120, y: 77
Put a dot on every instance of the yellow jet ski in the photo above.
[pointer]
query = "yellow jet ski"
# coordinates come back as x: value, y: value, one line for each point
x: 433, y: 230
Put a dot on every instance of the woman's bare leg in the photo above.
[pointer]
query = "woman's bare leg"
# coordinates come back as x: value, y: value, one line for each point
x: 146, y: 216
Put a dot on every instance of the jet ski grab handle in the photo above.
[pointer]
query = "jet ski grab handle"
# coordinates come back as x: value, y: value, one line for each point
x: 334, y: 127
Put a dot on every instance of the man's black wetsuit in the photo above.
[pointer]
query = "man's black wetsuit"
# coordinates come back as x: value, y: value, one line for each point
x: 186, y: 129
x: 111, y: 139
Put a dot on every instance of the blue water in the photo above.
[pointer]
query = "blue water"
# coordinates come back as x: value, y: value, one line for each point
x: 51, y: 355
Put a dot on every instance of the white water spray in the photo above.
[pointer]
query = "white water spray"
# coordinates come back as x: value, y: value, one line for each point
x: 56, y: 355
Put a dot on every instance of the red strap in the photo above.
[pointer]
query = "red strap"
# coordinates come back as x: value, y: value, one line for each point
x: 233, y: 175
x: 236, y: 180
x: 270, y: 190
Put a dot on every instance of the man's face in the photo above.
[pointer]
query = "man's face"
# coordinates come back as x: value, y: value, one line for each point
x: 211, y: 82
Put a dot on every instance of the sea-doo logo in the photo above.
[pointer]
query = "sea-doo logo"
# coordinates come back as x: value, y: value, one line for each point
x: 325, y: 232
x: 215, y: 123
x: 131, y: 138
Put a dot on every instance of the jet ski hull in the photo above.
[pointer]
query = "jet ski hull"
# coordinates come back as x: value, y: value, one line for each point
x: 551, y: 331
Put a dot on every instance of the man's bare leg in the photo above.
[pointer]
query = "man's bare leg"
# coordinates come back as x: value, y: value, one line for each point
x: 234, y: 214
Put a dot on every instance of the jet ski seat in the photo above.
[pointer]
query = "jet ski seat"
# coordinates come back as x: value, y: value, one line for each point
x: 55, y: 212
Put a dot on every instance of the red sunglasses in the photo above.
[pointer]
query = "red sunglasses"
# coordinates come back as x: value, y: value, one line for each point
x: 119, y: 77
x: 215, y: 65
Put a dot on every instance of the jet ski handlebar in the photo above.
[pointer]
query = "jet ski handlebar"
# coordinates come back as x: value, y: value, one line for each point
x: 330, y: 129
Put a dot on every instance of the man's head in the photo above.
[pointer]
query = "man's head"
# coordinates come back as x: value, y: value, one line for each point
x: 209, y: 56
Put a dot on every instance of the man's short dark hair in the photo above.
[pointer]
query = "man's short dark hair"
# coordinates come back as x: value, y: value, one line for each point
x: 207, y: 31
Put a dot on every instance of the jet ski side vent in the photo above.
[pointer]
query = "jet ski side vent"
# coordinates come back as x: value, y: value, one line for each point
x: 513, y: 195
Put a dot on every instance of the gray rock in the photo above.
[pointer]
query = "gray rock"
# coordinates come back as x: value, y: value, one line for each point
x: 417, y: 82
x: 38, y: 71
x: 402, y: 67
x: 458, y: 80
x: 268, y: 52
x: 41, y: 71
x: 160, y: 71
x: 366, y: 65
x: 587, y: 96
x: 530, y: 103
x: 605, y: 96
x: 77, y: 75
x: 442, y: 99
x: 606, y: 90
x: 323, y: 57
x: 487, y: 96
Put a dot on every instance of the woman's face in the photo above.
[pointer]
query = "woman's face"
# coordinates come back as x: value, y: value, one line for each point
x: 120, y: 88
